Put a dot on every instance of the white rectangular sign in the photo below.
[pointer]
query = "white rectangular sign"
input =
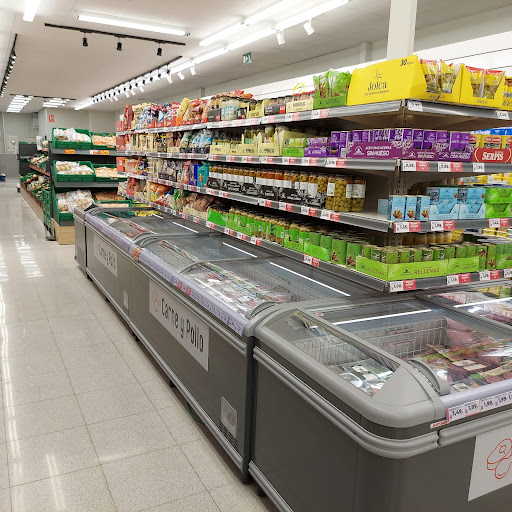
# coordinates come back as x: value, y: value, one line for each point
x: 106, y: 254
x: 186, y: 328
x: 492, y: 462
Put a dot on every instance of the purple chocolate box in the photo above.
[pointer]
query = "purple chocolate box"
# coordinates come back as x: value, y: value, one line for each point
x: 429, y: 137
x: 320, y: 152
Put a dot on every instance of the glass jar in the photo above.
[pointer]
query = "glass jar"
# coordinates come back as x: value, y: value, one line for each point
x: 279, y: 180
x: 312, y: 186
x: 342, y: 192
x: 420, y: 239
x: 357, y: 195
x: 431, y: 238
x: 331, y: 186
x: 439, y: 237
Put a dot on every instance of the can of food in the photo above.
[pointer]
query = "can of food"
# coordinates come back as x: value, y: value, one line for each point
x: 416, y: 255
x: 460, y: 251
x: 404, y: 255
x: 471, y: 250
x: 376, y: 253
x: 426, y: 255
x: 389, y: 256
x: 449, y: 252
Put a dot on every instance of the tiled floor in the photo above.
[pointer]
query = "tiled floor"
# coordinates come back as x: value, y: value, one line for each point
x: 88, y: 424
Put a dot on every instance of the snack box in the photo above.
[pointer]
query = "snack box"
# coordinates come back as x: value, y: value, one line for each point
x: 446, y: 211
x: 471, y: 195
x: 383, y: 205
x: 422, y: 207
x: 396, y: 207
x: 442, y: 194
x: 410, y: 207
x: 497, y: 195
x: 472, y: 211
x: 500, y: 210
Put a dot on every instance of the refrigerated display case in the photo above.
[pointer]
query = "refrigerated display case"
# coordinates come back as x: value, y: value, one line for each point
x: 382, y: 404
x: 190, y: 299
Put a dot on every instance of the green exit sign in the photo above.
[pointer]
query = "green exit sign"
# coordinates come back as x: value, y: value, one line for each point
x: 247, y: 58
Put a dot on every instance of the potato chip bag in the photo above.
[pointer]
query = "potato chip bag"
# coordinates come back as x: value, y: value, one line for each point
x: 430, y: 70
x: 476, y: 76
x: 492, y: 80
x: 446, y: 77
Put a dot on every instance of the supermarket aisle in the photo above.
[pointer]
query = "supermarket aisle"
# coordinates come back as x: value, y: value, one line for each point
x: 88, y: 422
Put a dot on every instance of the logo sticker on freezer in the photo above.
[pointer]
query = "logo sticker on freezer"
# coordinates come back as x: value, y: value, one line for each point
x: 105, y: 254
x: 492, y: 462
x: 190, y: 331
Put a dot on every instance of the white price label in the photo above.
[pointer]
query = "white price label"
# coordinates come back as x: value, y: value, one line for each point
x: 502, y: 114
x: 288, y: 117
x: 415, y: 106
x: 443, y: 167
x: 196, y: 219
x: 261, y: 201
x: 263, y: 159
x: 401, y: 227
x: 471, y: 408
x: 485, y: 275
x: 325, y: 214
x: 502, y: 399
x: 285, y: 160
x: 335, y: 162
x: 437, y: 225
x: 478, y: 167
x: 307, y: 259
x: 494, y: 223
x: 305, y: 160
x: 396, y: 286
x: 488, y: 403
x: 282, y: 206
x: 304, y: 210
x: 456, y: 413
x: 409, y: 165
x: 320, y: 113
x: 452, y: 279
x: 507, y: 272
x: 264, y: 120
x: 244, y: 159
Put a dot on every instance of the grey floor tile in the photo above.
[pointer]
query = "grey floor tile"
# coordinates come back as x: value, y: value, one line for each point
x: 142, y: 368
x: 108, y: 404
x: 81, y: 337
x: 160, y: 393
x: 201, y: 502
x: 81, y: 491
x: 35, y: 458
x: 4, y: 472
x: 15, y: 315
x: 73, y: 323
x: 237, y: 497
x: 5, y: 500
x: 42, y: 417
x: 28, y: 345
x: 77, y: 308
x: 151, y: 479
x: 89, y: 355
x: 107, y: 374
x: 36, y: 387
x: 21, y: 367
x: 23, y: 329
x: 183, y: 428
x: 129, y: 436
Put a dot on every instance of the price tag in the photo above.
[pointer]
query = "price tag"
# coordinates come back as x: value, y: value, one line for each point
x: 104, y: 152
x: 312, y: 212
x: 285, y: 160
x: 209, y: 191
x: 266, y: 160
x: 488, y: 403
x: 452, y: 279
x: 223, y: 194
x: 443, y: 167
x: 305, y: 160
x: 292, y: 116
x: 502, y: 399
x: 313, y: 161
x: 209, y: 224
x: 271, y: 119
x: 243, y: 159
x: 231, y: 158
x: 449, y: 225
x: 415, y: 106
x: 499, y: 223
x: 185, y: 216
x: 456, y: 166
x: 255, y: 241
x: 455, y: 413
x: 285, y: 207
x: 196, y: 220
x: 304, y: 210
x: 336, y: 162
x: 320, y: 113
x: 228, y: 231
x: 471, y: 408
x: 241, y: 236
x: 309, y: 260
x: 136, y: 253
x: 502, y: 114
x: 239, y: 122
x: 507, y: 272
x: 409, y: 165
x: 485, y: 275
x: 326, y: 214
x: 407, y: 227
x: 69, y: 151
x: 213, y: 157
x: 264, y: 120
x: 478, y: 167
x: 335, y: 216
x: 223, y: 124
x: 94, y: 152
x: 396, y: 286
x: 437, y: 225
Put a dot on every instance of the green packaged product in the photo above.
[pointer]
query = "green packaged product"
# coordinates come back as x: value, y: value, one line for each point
x: 404, y: 255
x: 426, y: 255
x: 460, y: 251
x: 354, y: 250
x: 326, y: 242
x: 389, y: 256
x: 482, y: 257
x: 491, y: 256
x: 339, y: 251
x: 293, y: 231
x: 471, y: 250
x: 442, y: 253
x: 435, y: 253
x: 416, y: 255
x: 376, y: 253
x: 449, y: 252
x: 367, y: 251
x: 314, y: 238
x: 505, y: 291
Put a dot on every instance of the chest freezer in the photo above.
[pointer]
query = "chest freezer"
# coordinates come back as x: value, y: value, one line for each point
x: 362, y: 404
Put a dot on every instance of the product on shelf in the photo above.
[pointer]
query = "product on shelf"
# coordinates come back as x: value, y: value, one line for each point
x: 70, y: 135
x: 67, y: 201
x: 103, y: 139
x: 106, y: 172
x: 73, y: 168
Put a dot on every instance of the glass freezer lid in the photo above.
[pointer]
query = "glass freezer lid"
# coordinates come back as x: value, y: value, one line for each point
x: 494, y: 303
x: 246, y: 284
x: 180, y: 252
x: 455, y: 352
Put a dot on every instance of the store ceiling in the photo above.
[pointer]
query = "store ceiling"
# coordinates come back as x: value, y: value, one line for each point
x: 54, y: 63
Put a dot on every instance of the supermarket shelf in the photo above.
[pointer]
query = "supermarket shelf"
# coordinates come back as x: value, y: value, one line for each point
x: 33, y: 202
x: 86, y: 184
x: 88, y: 152
x: 38, y: 169
x: 453, y: 167
x: 178, y: 156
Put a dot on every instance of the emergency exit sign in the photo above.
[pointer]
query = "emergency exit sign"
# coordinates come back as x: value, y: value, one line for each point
x: 51, y: 119
x: 247, y: 58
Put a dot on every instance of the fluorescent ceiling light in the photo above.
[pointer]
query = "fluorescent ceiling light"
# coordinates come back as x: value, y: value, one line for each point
x: 211, y: 55
x: 310, y: 14
x: 30, y: 9
x: 393, y: 315
x: 251, y: 39
x: 280, y: 37
x: 127, y: 23
x: 222, y: 35
x: 88, y: 103
x: 267, y: 12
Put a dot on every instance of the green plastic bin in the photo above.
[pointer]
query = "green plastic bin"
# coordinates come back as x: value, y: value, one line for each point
x: 62, y: 144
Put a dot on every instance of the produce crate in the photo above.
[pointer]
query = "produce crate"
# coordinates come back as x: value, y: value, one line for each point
x: 103, y: 146
x: 60, y: 216
x: 110, y: 166
x: 62, y: 144
x: 58, y: 178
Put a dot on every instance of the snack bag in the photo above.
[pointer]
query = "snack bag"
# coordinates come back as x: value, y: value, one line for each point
x: 430, y: 70
x: 476, y: 77
x: 323, y: 83
x: 316, y: 82
x: 447, y: 77
x: 339, y: 83
x: 183, y: 107
x: 492, y: 80
x: 508, y: 87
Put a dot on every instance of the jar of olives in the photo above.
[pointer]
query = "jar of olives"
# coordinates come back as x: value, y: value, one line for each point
x: 282, y: 228
x: 279, y: 180
x: 331, y: 187
x: 342, y: 194
x: 357, y: 195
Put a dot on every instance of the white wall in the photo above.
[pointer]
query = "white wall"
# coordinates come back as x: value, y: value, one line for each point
x: 16, y: 125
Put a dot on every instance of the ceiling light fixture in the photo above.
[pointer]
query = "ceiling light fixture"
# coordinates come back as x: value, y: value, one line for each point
x: 115, y: 21
x: 127, y: 94
x: 269, y: 11
x: 119, y: 46
x: 181, y: 75
x: 280, y: 37
x: 310, y: 14
x: 210, y: 55
x: 169, y: 77
x: 308, y: 27
x: 31, y: 7
x: 193, y: 71
x: 19, y: 102
x: 10, y: 65
x: 222, y: 35
x: 132, y: 91
x: 159, y: 51
x: 84, y: 41
x: 251, y: 39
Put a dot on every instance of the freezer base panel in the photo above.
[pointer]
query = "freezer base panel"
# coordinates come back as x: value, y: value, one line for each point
x: 80, y: 243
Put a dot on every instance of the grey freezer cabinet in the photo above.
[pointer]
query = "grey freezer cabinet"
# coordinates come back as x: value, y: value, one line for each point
x: 190, y: 298
x: 381, y: 404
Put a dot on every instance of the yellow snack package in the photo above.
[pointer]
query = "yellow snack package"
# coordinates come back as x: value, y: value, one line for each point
x: 507, y: 92
x: 492, y: 80
x: 476, y: 77
x: 446, y: 77
x: 506, y: 142
x: 430, y: 70
x: 183, y: 107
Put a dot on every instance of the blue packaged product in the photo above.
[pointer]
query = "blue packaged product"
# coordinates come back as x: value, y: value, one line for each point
x: 396, y: 207
x: 422, y: 207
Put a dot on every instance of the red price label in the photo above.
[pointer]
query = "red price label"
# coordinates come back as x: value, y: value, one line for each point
x: 464, y: 278
x: 449, y: 225
x: 422, y: 166
x: 228, y: 231
x: 224, y: 195
x: 185, y: 216
x: 312, y: 212
x: 232, y: 158
x: 309, y: 260
x: 213, y: 157
x: 196, y: 220
x: 456, y: 166
x: 499, y: 223
x: 335, y: 216
x: 313, y: 161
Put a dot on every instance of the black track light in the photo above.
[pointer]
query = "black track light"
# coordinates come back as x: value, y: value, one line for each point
x: 119, y: 46
x: 159, y: 52
x: 84, y: 42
